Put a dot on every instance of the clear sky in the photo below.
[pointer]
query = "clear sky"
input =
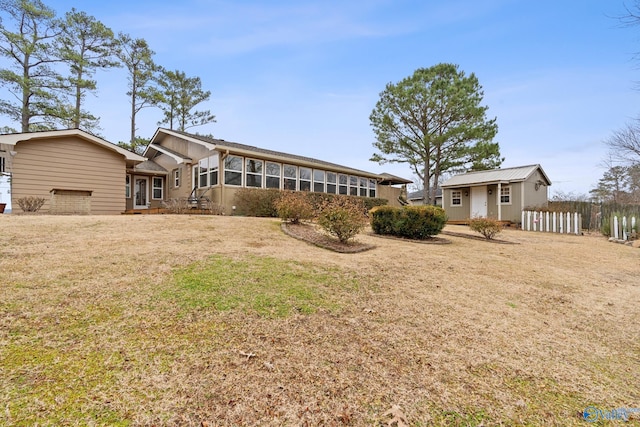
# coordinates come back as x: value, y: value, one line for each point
x: 303, y: 76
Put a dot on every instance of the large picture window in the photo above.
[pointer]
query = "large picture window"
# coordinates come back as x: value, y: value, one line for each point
x: 290, y: 173
x: 253, y: 173
x: 272, y: 175
x: 233, y: 170
x: 157, y: 187
x: 305, y: 179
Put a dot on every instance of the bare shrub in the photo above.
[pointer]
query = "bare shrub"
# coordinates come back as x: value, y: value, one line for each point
x: 343, y: 217
x: 293, y: 207
x: 30, y: 203
x: 488, y: 227
x: 178, y: 205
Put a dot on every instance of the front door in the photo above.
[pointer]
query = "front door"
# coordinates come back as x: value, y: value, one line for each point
x: 479, y: 202
x: 141, y: 192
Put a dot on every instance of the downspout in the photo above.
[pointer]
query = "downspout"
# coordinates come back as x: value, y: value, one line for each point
x: 221, y: 177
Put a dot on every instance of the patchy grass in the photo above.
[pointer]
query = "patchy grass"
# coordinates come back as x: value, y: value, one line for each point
x: 229, y: 321
x: 266, y: 286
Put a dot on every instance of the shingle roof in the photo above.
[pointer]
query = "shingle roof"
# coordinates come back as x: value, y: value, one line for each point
x: 221, y: 144
x: 515, y: 174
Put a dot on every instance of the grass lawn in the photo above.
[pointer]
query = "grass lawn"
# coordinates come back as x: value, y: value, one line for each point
x: 226, y: 321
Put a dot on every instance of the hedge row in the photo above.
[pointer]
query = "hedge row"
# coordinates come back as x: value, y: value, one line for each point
x: 413, y: 222
x: 260, y: 202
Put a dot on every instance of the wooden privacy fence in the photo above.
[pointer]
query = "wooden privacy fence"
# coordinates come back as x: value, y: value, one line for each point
x: 623, y: 227
x: 552, y: 222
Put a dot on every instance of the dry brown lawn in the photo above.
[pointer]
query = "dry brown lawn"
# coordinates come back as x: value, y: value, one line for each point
x: 201, y: 320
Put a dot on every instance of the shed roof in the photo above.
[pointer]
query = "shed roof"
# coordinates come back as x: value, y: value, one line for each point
x: 515, y: 174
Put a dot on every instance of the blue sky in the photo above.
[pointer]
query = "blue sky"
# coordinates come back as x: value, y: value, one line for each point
x: 303, y: 76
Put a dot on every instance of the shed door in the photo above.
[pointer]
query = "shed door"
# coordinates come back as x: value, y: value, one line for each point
x: 479, y: 202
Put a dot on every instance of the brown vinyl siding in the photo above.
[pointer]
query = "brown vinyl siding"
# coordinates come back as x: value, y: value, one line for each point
x: 70, y: 163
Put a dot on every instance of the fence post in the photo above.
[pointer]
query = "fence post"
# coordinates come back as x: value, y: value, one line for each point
x: 625, y: 235
x: 614, y: 229
x: 547, y: 221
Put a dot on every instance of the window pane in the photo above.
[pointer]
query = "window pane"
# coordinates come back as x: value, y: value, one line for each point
x: 343, y: 190
x: 232, y: 178
x: 290, y: 184
x: 273, y: 182
x: 290, y: 171
x: 305, y: 173
x: 363, y: 192
x: 372, y: 193
x: 273, y: 169
x: 331, y: 177
x: 318, y: 175
x: 254, y: 166
x: 253, y: 180
x: 305, y: 185
x: 353, y: 191
x: 342, y: 179
x: 213, y: 177
x: 203, y: 180
x: 331, y: 188
x: 233, y: 163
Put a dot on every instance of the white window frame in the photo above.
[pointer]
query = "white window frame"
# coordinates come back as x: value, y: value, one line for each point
x: 455, y: 193
x: 203, y: 172
x: 286, y: 178
x: 258, y: 175
x: 235, y: 171
x: 505, y: 189
x: 316, y: 174
x: 353, y: 185
x: 301, y: 180
x: 127, y: 186
x: 268, y: 175
x: 176, y: 178
x: 155, y: 187
x: 214, y: 168
x: 373, y: 189
x: 343, y: 184
x: 332, y: 179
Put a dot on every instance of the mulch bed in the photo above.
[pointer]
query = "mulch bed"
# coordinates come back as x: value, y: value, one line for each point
x: 481, y: 238
x: 310, y: 234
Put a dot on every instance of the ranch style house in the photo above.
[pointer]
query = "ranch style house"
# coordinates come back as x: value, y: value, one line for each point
x: 79, y: 173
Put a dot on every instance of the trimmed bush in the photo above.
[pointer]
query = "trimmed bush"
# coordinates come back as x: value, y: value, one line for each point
x: 30, y: 204
x: 256, y: 202
x: 488, y: 227
x: 293, y: 206
x: 342, y: 217
x: 412, y: 222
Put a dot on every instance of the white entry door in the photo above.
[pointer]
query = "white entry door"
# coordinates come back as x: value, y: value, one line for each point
x: 479, y: 202
x: 141, y: 192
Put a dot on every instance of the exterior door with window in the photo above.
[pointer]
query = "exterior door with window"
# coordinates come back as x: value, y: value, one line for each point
x: 141, y: 192
x: 479, y: 202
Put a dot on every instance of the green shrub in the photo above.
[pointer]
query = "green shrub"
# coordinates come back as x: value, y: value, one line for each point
x: 383, y: 219
x: 30, y: 204
x: 293, y: 206
x: 342, y: 217
x: 413, y: 222
x: 488, y: 227
x: 256, y: 202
